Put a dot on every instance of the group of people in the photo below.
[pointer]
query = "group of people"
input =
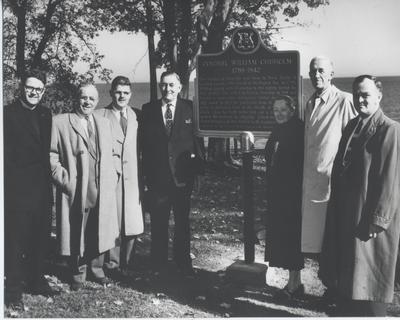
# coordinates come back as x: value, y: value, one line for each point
x: 102, y: 163
x: 333, y: 185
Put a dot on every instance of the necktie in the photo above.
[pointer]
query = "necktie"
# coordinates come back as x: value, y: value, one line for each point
x: 353, y: 141
x: 168, y: 119
x: 91, y: 134
x: 123, y: 122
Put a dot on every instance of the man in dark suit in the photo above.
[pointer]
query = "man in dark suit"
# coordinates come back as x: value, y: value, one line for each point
x: 27, y: 190
x: 171, y: 158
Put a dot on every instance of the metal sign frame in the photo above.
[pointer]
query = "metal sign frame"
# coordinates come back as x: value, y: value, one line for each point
x: 259, y: 46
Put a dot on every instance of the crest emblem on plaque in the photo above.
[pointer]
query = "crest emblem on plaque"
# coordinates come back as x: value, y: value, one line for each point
x: 245, y: 40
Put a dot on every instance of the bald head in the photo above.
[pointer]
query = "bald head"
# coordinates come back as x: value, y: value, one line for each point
x: 321, y: 73
x: 322, y: 58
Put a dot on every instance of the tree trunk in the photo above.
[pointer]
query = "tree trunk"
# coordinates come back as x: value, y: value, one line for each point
x: 169, y: 9
x: 184, y: 55
x: 21, y: 34
x: 218, y: 152
x: 150, y: 42
x: 47, y: 34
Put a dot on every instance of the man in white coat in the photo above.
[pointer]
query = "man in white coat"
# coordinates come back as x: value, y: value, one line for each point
x: 83, y: 170
x: 326, y: 114
x: 124, y: 127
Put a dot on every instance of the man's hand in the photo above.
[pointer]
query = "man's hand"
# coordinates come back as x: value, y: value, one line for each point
x: 374, y: 230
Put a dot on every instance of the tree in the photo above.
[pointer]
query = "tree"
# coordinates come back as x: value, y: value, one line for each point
x: 52, y: 35
x: 189, y: 27
x: 219, y: 18
x: 134, y: 16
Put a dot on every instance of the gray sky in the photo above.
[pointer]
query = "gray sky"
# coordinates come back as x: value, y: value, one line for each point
x: 360, y: 36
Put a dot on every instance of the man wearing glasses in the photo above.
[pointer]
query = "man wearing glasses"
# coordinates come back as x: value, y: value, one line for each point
x: 27, y: 190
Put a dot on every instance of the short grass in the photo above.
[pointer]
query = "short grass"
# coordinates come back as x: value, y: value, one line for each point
x: 217, y: 242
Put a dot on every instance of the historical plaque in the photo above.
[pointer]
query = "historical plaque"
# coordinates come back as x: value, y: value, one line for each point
x: 235, y: 88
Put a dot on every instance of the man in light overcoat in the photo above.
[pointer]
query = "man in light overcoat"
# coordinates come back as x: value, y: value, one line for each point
x: 124, y: 126
x: 326, y: 114
x: 83, y: 170
x: 363, y: 221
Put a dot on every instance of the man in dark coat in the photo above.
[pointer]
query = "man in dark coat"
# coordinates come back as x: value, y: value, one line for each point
x: 363, y: 223
x: 171, y: 159
x: 27, y: 190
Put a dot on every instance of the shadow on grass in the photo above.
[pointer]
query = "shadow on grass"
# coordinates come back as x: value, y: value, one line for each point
x: 209, y: 291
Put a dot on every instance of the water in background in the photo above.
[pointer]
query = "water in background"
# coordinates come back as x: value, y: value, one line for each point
x: 390, y: 102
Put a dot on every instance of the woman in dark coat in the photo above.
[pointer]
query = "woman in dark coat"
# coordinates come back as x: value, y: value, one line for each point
x: 284, y: 162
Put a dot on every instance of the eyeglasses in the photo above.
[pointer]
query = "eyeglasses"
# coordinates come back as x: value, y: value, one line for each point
x: 33, y: 89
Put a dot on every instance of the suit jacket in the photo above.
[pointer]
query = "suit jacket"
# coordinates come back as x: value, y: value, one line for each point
x: 27, y: 177
x: 69, y: 159
x: 126, y: 146
x: 173, y: 159
x: 365, y: 190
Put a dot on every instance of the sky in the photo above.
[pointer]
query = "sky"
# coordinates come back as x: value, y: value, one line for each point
x: 360, y: 36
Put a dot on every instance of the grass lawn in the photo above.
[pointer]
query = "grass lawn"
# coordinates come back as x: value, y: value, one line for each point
x: 216, y: 222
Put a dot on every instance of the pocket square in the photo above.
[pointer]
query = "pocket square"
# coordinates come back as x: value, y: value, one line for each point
x: 188, y: 121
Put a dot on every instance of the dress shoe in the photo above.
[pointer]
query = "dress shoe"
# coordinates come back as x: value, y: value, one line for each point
x: 330, y: 295
x: 159, y: 269
x: 76, y: 286
x: 113, y: 273
x: 14, y: 302
x: 285, y: 294
x: 187, y: 271
x: 118, y: 274
x: 102, y: 281
x: 43, y: 289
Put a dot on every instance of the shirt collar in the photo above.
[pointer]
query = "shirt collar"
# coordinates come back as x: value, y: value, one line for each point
x: 84, y: 117
x: 26, y: 106
x: 117, y: 111
x: 324, y: 94
x: 172, y: 104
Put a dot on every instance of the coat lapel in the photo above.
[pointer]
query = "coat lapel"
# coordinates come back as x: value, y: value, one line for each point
x: 370, y: 128
x: 177, y: 118
x: 100, y: 129
x: 350, y: 136
x: 115, y: 125
x: 76, y: 125
x: 132, y: 124
x: 159, y: 118
x: 366, y: 133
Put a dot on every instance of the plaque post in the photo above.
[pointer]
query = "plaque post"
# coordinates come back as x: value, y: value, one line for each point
x: 247, y: 272
x: 247, y: 145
